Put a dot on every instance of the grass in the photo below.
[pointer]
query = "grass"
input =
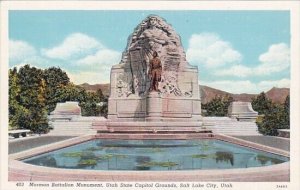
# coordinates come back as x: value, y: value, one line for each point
x: 88, y: 162
x: 72, y: 154
x: 204, y: 156
x: 90, y: 155
x: 94, y: 148
x: 264, y: 159
x: 161, y: 164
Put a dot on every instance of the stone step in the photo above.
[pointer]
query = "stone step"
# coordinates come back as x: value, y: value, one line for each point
x: 60, y: 127
x: 69, y: 129
x: 235, y: 124
x: 232, y: 127
x: 153, y: 129
x: 234, y: 130
x: 71, y: 124
x: 71, y: 132
x: 72, y: 127
x: 237, y: 133
x: 153, y: 123
x: 248, y: 134
x: 219, y: 127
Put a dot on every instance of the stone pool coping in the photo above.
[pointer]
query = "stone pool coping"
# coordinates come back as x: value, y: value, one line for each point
x: 20, y: 171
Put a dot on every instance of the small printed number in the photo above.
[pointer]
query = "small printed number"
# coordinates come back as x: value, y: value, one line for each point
x: 20, y: 184
x: 281, y: 186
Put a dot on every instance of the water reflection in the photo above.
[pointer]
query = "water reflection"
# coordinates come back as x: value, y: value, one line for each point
x: 140, y: 162
x: 155, y: 155
x: 264, y: 160
x: 49, y: 161
x: 224, y: 157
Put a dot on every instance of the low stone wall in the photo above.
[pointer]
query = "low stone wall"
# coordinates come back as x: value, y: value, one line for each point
x: 76, y: 126
x: 284, y: 133
x: 230, y: 126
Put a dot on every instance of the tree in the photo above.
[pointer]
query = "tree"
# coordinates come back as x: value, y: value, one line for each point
x: 33, y: 99
x: 272, y: 120
x: 95, y: 104
x: 276, y: 117
x: 34, y: 93
x: 72, y: 92
x: 16, y: 111
x: 261, y: 103
x: 286, y: 112
x: 55, y: 80
x: 218, y: 106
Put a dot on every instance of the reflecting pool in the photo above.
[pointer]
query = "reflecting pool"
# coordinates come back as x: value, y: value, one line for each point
x: 102, y: 154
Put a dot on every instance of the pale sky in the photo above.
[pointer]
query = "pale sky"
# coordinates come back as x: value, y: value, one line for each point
x: 235, y: 51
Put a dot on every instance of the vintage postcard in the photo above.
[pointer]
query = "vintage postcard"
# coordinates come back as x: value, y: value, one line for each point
x: 150, y: 95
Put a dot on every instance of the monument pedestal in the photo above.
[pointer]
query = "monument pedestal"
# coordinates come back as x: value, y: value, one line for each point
x: 154, y: 107
x: 242, y: 111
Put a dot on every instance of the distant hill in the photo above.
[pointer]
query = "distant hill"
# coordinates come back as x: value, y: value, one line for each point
x: 277, y: 95
x: 95, y: 87
x: 208, y: 93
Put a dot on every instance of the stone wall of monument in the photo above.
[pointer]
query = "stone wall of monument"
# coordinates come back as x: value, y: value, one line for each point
x: 130, y: 81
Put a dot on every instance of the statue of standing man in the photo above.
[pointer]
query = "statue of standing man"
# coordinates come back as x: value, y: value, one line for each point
x: 155, y: 72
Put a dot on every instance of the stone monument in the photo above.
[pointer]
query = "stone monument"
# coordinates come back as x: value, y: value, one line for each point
x: 242, y: 111
x: 65, y: 111
x: 138, y: 97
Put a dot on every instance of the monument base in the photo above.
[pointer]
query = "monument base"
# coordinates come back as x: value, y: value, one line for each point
x: 154, y: 108
x: 242, y: 111
x: 149, y: 126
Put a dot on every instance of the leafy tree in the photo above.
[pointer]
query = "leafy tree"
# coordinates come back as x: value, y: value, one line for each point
x: 261, y: 103
x: 218, y: 106
x: 34, y: 93
x: 15, y: 109
x: 55, y: 79
x: 91, y: 105
x: 286, y: 112
x: 272, y: 120
x: 276, y: 117
x: 32, y: 98
x: 72, y: 92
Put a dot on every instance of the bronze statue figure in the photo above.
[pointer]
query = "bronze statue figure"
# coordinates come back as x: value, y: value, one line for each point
x: 155, y: 72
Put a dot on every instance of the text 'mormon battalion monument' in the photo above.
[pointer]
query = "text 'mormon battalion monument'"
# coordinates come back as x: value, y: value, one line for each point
x: 154, y: 87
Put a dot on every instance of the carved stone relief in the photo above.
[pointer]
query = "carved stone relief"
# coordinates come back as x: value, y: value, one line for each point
x: 153, y: 34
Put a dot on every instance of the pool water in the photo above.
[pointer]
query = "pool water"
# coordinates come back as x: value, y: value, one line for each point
x: 155, y: 155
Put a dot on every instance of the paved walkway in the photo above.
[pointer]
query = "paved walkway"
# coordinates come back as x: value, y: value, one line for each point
x: 276, y: 142
x: 19, y: 145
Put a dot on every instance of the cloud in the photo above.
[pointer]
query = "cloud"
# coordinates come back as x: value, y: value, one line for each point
x: 236, y: 70
x: 95, y: 68
x: 246, y: 86
x: 209, y: 49
x: 84, y: 58
x: 266, y: 85
x: 20, y: 51
x: 91, y: 77
x: 275, y: 60
x: 102, y: 57
x: 75, y: 46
